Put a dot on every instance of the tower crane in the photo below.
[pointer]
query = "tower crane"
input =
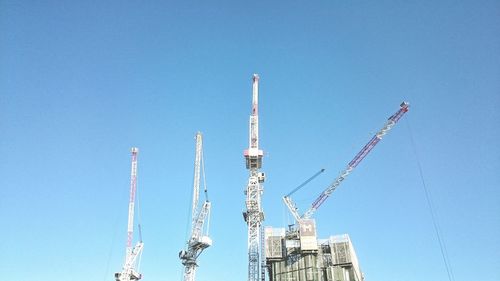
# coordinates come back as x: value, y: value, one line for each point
x: 341, y: 177
x: 254, y: 214
x: 129, y: 271
x: 199, y: 239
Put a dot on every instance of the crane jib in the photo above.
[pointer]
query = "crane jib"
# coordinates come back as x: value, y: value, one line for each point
x: 357, y: 159
x: 366, y: 149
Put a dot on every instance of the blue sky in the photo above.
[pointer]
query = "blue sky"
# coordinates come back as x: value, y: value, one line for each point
x: 82, y: 82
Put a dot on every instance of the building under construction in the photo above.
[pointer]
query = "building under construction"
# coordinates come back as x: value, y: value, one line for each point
x: 296, y: 254
x: 293, y: 254
x: 290, y: 258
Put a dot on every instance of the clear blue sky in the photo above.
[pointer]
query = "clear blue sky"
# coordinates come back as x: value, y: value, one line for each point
x: 82, y: 82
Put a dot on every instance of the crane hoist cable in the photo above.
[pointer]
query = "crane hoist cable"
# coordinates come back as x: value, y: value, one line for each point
x: 305, y: 182
x: 205, y: 190
x: 139, y: 217
x: 302, y: 185
x: 430, y: 205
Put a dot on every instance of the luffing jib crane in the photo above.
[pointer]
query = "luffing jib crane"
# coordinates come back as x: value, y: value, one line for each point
x: 254, y: 214
x: 129, y: 271
x: 354, y: 162
x: 199, y: 239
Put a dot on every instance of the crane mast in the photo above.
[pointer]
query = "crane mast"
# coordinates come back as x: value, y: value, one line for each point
x: 354, y: 162
x: 198, y: 240
x: 254, y: 214
x: 132, y: 254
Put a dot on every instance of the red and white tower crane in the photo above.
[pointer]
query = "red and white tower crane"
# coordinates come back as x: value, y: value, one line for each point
x: 254, y: 214
x: 306, y: 217
x: 129, y: 271
x: 199, y: 239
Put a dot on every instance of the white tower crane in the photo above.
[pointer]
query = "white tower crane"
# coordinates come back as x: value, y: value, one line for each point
x: 199, y: 239
x: 354, y: 162
x: 254, y: 214
x: 133, y: 254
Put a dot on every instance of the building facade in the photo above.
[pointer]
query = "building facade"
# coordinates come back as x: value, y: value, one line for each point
x: 293, y: 257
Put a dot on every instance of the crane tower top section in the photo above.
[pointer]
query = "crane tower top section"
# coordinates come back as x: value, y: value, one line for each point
x: 253, y: 154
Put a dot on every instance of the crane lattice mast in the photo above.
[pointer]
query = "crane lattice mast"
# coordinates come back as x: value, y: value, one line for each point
x: 354, y: 162
x: 132, y: 255
x: 254, y: 214
x: 199, y: 240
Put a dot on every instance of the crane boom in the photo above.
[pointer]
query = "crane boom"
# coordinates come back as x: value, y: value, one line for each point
x: 133, y: 189
x: 198, y: 240
x: 354, y: 162
x: 196, y: 177
x: 132, y: 253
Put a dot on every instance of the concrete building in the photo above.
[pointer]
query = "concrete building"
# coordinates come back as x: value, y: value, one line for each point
x: 294, y: 257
